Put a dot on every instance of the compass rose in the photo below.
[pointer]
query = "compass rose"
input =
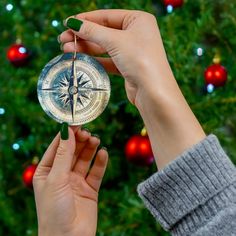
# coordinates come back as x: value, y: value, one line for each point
x: 75, y: 90
x: 66, y: 91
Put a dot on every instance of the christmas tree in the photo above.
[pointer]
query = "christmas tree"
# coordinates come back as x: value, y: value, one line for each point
x: 200, y: 42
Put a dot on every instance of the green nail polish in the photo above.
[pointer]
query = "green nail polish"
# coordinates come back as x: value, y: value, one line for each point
x: 74, y: 24
x: 64, y: 131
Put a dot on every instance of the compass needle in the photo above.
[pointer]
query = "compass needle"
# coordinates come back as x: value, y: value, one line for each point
x: 75, y: 86
x: 72, y: 88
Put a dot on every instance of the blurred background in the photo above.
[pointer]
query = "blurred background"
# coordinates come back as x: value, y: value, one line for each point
x: 199, y: 38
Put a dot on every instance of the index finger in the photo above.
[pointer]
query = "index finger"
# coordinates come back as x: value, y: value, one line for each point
x: 113, y: 18
x: 48, y: 157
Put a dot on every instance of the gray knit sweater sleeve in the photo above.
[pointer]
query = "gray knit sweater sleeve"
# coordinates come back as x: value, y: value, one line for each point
x: 196, y: 193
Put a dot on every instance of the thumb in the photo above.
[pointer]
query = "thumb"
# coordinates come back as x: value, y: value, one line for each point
x: 87, y: 30
x: 65, y: 152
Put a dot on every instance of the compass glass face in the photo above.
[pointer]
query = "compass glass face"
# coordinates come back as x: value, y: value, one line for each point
x: 73, y: 91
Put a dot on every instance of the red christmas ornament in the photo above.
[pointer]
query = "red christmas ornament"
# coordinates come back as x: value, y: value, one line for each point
x: 18, y: 55
x: 28, y: 175
x: 216, y: 75
x: 138, y: 150
x: 174, y: 3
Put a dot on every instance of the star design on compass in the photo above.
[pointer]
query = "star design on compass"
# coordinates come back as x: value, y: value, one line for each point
x: 64, y: 90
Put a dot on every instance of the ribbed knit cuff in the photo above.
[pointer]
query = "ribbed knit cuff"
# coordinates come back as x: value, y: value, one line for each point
x: 192, y: 188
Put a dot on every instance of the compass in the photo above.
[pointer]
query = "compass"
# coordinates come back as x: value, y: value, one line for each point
x: 73, y: 88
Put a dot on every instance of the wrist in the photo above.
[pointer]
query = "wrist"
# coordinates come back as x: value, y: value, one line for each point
x: 171, y: 125
x: 154, y: 82
x: 158, y: 91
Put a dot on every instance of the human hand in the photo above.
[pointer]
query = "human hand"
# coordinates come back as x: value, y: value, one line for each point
x: 66, y: 192
x: 130, y: 38
x: 133, y: 42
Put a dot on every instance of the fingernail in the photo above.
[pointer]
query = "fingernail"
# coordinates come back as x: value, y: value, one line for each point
x: 64, y: 23
x: 61, y: 46
x: 64, y: 131
x: 58, y: 39
x: 74, y: 24
x: 96, y: 136
x: 104, y: 148
x: 85, y: 129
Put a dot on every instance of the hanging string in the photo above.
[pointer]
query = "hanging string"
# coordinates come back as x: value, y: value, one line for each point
x: 75, y: 46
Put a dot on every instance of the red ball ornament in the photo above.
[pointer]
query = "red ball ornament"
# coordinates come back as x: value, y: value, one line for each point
x: 138, y: 150
x: 18, y: 55
x: 216, y: 75
x: 174, y: 3
x: 28, y: 175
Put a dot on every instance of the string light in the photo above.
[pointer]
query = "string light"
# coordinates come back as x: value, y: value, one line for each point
x: 22, y: 50
x: 210, y: 88
x: 169, y: 8
x: 9, y: 7
x: 15, y: 146
x: 200, y: 52
x: 2, y: 111
x: 55, y: 23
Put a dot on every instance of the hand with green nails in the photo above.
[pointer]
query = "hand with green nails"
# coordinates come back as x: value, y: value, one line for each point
x: 131, y: 39
x: 134, y: 48
x: 66, y: 186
